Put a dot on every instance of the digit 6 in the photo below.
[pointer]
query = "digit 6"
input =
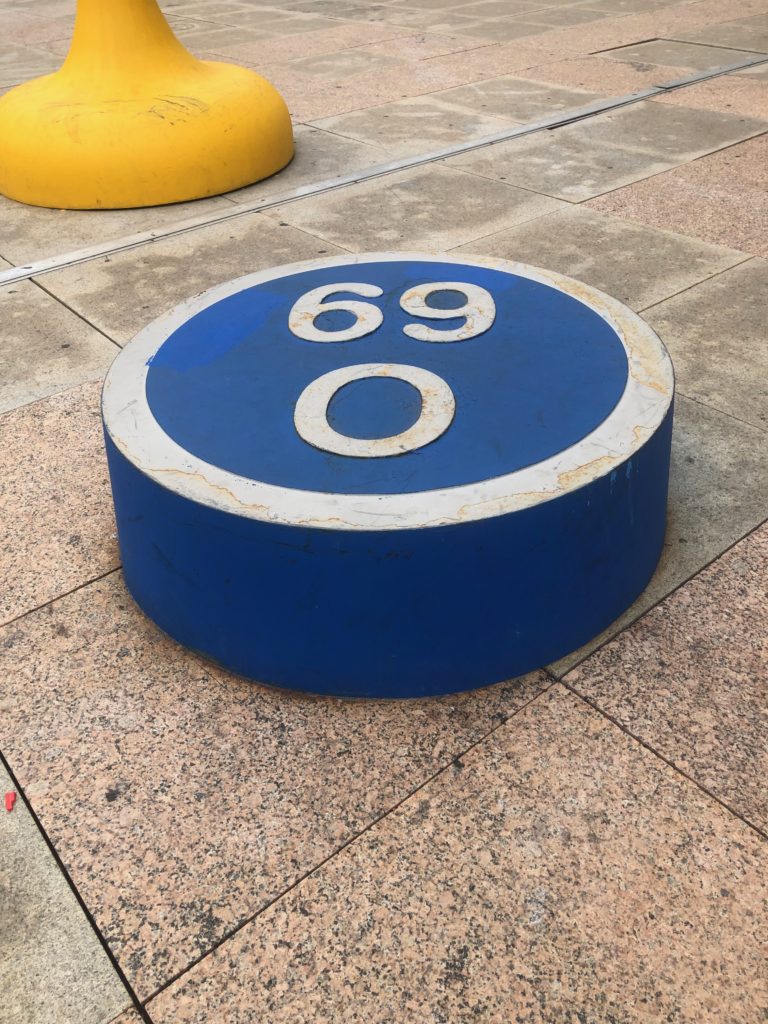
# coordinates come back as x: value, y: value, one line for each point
x: 301, y: 319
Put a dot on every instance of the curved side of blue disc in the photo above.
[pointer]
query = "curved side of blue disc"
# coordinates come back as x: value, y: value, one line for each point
x: 403, y: 613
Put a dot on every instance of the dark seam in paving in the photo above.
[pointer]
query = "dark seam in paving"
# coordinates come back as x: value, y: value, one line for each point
x: 353, y: 839
x: 671, y: 764
x: 748, y: 257
x: 60, y: 597
x: 80, y: 316
x: 73, y: 888
x: 721, y: 412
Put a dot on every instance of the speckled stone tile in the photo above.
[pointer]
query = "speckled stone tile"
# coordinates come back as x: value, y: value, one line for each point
x: 421, y: 46
x: 206, y: 795
x: 716, y: 336
x: 329, y: 40
x: 58, y: 525
x: 319, y: 156
x: 512, y: 28
x: 53, y: 969
x: 517, y: 98
x: 718, y: 492
x: 414, y: 126
x: 746, y: 33
x: 129, y: 1017
x: 30, y: 233
x: 727, y: 95
x: 690, y: 678
x: 682, y: 55
x: 431, y: 208
x: 563, y: 16
x: 557, y: 164
x: 124, y: 292
x: 339, y: 66
x: 45, y: 347
x: 721, y: 198
x: 560, y: 872
x: 594, y: 248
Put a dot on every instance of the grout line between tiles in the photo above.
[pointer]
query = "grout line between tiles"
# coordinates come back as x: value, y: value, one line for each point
x: 671, y: 764
x: 353, y: 839
x: 721, y: 412
x: 60, y: 597
x: 44, y: 266
x: 748, y: 257
x: 130, y: 993
x: 80, y: 316
x: 615, y: 636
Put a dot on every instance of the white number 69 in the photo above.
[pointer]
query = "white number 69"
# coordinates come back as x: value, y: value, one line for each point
x: 478, y: 310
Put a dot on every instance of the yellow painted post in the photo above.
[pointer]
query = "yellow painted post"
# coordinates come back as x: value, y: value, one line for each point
x: 133, y: 119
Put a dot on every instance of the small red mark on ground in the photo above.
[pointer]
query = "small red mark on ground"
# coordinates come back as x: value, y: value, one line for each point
x: 10, y: 800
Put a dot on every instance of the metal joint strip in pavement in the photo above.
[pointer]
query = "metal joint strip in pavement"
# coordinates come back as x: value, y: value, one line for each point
x: 78, y: 256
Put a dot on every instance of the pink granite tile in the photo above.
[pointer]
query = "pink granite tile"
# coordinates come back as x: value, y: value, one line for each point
x: 310, y: 98
x: 727, y: 95
x: 308, y: 44
x: 58, y: 525
x: 690, y: 678
x: 182, y: 799
x: 558, y: 873
x: 721, y: 198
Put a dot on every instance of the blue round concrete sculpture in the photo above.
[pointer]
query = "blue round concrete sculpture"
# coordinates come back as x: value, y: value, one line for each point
x: 390, y: 475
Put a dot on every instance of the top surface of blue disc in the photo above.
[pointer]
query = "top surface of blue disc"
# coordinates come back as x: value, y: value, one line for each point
x: 387, y: 391
x: 532, y: 372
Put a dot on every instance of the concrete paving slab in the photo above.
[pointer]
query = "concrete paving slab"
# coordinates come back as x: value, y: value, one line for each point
x: 320, y: 155
x: 689, y: 678
x: 414, y: 126
x: 207, y: 795
x: 678, y: 134
x: 559, y: 164
x: 760, y: 72
x: 746, y: 33
x: 45, y: 348
x: 559, y: 871
x: 29, y: 233
x: 607, y: 77
x: 716, y: 335
x: 58, y: 523
x: 124, y: 292
x: 431, y: 208
x: 53, y: 969
x: 718, y: 493
x: 721, y: 198
x: 633, y: 263
x: 517, y: 98
x: 728, y: 95
x: 681, y: 55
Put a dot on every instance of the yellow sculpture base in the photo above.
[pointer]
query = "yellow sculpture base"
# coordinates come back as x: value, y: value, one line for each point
x: 133, y: 119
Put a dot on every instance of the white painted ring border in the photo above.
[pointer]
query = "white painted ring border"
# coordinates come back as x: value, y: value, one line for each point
x: 639, y: 412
